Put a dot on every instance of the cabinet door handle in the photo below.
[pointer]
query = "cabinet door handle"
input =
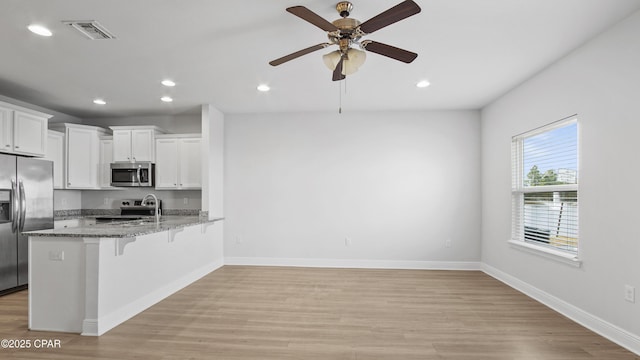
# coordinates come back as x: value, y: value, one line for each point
x: 7, y: 145
x: 17, y: 147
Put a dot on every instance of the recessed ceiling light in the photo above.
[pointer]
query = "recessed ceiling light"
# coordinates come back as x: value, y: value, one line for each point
x: 99, y: 102
x: 166, y: 99
x: 39, y: 29
x: 423, y: 84
x: 263, y: 87
x: 168, y: 82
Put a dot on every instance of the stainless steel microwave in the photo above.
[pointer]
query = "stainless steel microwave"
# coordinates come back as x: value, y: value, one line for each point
x: 138, y: 174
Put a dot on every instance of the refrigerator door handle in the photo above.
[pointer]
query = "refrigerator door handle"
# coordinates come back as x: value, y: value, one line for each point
x: 15, y: 206
x: 23, y: 206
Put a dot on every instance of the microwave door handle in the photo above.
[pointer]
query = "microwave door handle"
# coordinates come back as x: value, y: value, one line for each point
x: 15, y: 206
x: 138, y: 171
x: 23, y: 206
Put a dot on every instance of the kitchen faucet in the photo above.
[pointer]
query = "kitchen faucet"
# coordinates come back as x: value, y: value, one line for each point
x: 156, y: 211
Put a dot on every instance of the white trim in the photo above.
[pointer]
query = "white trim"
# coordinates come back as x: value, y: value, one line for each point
x: 612, y: 332
x: 354, y: 263
x: 548, y: 127
x: 548, y: 253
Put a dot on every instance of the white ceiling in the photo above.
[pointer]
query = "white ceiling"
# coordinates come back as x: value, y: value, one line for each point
x: 471, y: 51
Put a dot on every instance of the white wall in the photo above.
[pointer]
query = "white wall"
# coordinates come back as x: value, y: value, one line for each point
x: 67, y: 199
x: 212, y: 161
x: 601, y: 83
x: 398, y: 185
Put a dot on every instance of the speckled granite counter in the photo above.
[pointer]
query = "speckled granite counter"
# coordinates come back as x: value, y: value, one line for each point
x: 89, y: 228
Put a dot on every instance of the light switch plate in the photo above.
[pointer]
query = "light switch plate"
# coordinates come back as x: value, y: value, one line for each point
x: 630, y: 293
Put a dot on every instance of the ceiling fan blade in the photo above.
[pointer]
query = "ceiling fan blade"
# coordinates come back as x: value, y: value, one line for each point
x: 309, y: 16
x: 401, y: 11
x: 297, y: 54
x: 337, y: 72
x: 389, y: 51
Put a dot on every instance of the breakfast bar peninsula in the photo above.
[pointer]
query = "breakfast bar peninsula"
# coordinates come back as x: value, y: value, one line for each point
x: 91, y: 277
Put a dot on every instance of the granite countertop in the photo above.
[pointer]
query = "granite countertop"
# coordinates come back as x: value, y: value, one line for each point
x: 119, y: 229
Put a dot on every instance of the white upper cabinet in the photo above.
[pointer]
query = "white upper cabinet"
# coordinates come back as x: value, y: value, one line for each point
x: 143, y: 145
x: 134, y: 143
x: 178, y: 163
x: 55, y: 153
x: 166, y: 163
x: 106, y: 158
x: 122, y: 148
x: 29, y: 134
x: 82, y: 149
x: 189, y: 164
x: 6, y: 130
x: 23, y: 131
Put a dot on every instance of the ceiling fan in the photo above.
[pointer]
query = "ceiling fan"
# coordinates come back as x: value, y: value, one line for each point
x: 346, y: 32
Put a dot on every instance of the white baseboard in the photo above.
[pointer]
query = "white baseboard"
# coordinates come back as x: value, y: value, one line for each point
x: 97, y: 327
x: 354, y: 263
x: 619, y: 336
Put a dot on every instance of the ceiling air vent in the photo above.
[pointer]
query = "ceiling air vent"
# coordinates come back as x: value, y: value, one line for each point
x: 91, y: 29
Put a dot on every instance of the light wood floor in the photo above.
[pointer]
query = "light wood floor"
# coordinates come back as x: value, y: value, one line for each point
x: 302, y: 313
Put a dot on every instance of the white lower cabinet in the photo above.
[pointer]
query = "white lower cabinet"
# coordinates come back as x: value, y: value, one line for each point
x: 178, y: 163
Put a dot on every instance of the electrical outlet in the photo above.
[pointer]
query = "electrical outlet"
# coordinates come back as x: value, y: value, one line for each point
x: 106, y: 201
x: 238, y: 240
x: 630, y: 293
x: 186, y: 201
x: 447, y: 243
x: 347, y: 241
x: 56, y: 255
x: 64, y: 202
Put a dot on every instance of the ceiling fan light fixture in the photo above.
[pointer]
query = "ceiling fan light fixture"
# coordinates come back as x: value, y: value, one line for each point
x: 355, y: 59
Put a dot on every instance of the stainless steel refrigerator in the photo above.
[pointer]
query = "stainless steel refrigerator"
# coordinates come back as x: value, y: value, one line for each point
x: 26, y: 204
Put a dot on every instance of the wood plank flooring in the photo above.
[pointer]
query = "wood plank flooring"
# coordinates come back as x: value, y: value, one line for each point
x: 308, y: 313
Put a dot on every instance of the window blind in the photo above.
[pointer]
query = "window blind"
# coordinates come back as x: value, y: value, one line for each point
x: 545, y: 186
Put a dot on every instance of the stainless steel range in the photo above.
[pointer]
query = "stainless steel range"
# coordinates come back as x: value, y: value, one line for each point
x: 131, y: 209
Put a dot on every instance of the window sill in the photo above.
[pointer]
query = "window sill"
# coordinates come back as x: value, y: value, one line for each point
x: 569, y: 259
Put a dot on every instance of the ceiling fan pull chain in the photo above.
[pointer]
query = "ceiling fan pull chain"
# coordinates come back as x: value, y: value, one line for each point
x: 339, y: 97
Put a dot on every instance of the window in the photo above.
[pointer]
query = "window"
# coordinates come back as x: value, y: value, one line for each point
x: 545, y: 187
